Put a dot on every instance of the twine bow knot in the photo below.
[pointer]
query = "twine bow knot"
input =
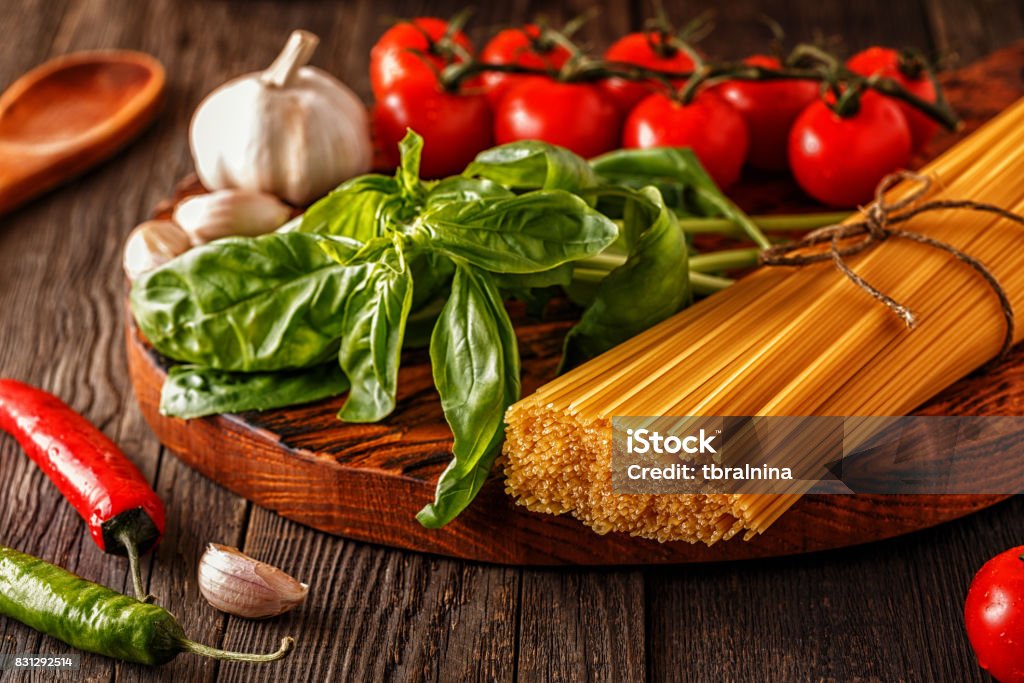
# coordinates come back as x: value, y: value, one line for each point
x: 847, y: 239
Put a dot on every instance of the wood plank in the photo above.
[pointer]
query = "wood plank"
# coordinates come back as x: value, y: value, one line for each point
x: 199, y: 513
x: 27, y: 34
x: 378, y: 614
x: 847, y: 26
x: 874, y: 613
x: 70, y: 297
x: 55, y: 292
x: 888, y: 612
x: 416, y: 617
x: 967, y: 29
x: 579, y: 626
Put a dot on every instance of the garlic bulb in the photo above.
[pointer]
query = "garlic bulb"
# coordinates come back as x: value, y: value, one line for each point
x: 293, y: 130
x: 224, y: 213
x: 235, y: 583
x: 152, y: 244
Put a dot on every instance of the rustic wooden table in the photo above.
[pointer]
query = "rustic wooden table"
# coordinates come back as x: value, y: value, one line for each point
x: 889, y: 611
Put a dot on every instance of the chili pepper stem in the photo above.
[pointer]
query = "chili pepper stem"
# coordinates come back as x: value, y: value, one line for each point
x: 228, y: 656
x: 135, y: 566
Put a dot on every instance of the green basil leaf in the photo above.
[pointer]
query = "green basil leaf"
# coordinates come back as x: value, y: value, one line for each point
x: 675, y: 171
x: 532, y: 165
x: 191, y: 391
x: 559, y: 276
x: 534, y: 289
x: 475, y: 361
x: 420, y: 325
x: 432, y: 273
x: 350, y: 252
x: 650, y: 286
x: 360, y: 208
x: 462, y: 189
x: 684, y: 184
x: 374, y: 325
x: 430, y: 270
x: 248, y: 304
x: 525, y: 234
x: 408, y: 173
x: 346, y: 250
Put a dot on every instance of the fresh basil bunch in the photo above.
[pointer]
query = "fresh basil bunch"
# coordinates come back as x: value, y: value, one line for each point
x: 381, y: 260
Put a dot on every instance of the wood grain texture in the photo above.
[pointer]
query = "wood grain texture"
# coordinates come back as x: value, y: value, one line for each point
x: 568, y: 620
x: 60, y: 322
x: 367, y: 482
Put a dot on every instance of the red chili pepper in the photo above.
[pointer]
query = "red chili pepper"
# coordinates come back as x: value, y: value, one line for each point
x: 123, y: 513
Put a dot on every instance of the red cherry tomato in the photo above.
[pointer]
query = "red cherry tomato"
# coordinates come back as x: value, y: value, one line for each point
x: 708, y: 125
x: 577, y: 116
x: 409, y: 52
x: 455, y: 128
x: 769, y: 108
x: 994, y: 616
x: 886, y: 62
x: 522, y: 46
x: 840, y: 160
x: 647, y: 50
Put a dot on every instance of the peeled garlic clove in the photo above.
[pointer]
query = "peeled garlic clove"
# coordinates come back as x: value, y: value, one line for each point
x: 152, y: 244
x: 235, y: 583
x: 226, y: 213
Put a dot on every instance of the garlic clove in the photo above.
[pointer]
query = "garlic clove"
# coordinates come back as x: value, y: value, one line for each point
x: 226, y: 213
x: 235, y: 583
x: 152, y: 244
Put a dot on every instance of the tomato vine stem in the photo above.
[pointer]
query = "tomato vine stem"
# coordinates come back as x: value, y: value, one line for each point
x: 805, y: 62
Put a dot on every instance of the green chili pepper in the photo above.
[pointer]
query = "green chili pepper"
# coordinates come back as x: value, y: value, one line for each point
x: 94, y: 618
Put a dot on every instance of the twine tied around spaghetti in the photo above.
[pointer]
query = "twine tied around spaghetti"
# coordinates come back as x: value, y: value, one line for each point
x: 876, y: 227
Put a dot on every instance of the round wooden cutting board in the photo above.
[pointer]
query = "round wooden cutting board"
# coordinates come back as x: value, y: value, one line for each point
x: 367, y: 481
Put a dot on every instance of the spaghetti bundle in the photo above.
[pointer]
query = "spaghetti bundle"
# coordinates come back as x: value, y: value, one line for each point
x: 787, y: 341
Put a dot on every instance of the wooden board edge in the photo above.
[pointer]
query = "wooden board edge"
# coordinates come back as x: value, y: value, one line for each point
x: 255, y: 465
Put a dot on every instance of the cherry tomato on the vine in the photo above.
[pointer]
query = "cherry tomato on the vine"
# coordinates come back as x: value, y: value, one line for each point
x: 410, y: 53
x: 524, y: 46
x: 455, y: 127
x: 994, y: 616
x: 578, y: 116
x: 708, y: 125
x: 769, y: 108
x: 651, y: 51
x: 886, y: 62
x: 840, y: 160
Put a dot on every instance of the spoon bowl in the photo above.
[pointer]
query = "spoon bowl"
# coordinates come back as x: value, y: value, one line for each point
x: 70, y: 113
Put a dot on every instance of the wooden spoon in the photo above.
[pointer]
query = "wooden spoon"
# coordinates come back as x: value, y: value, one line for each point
x: 70, y: 113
